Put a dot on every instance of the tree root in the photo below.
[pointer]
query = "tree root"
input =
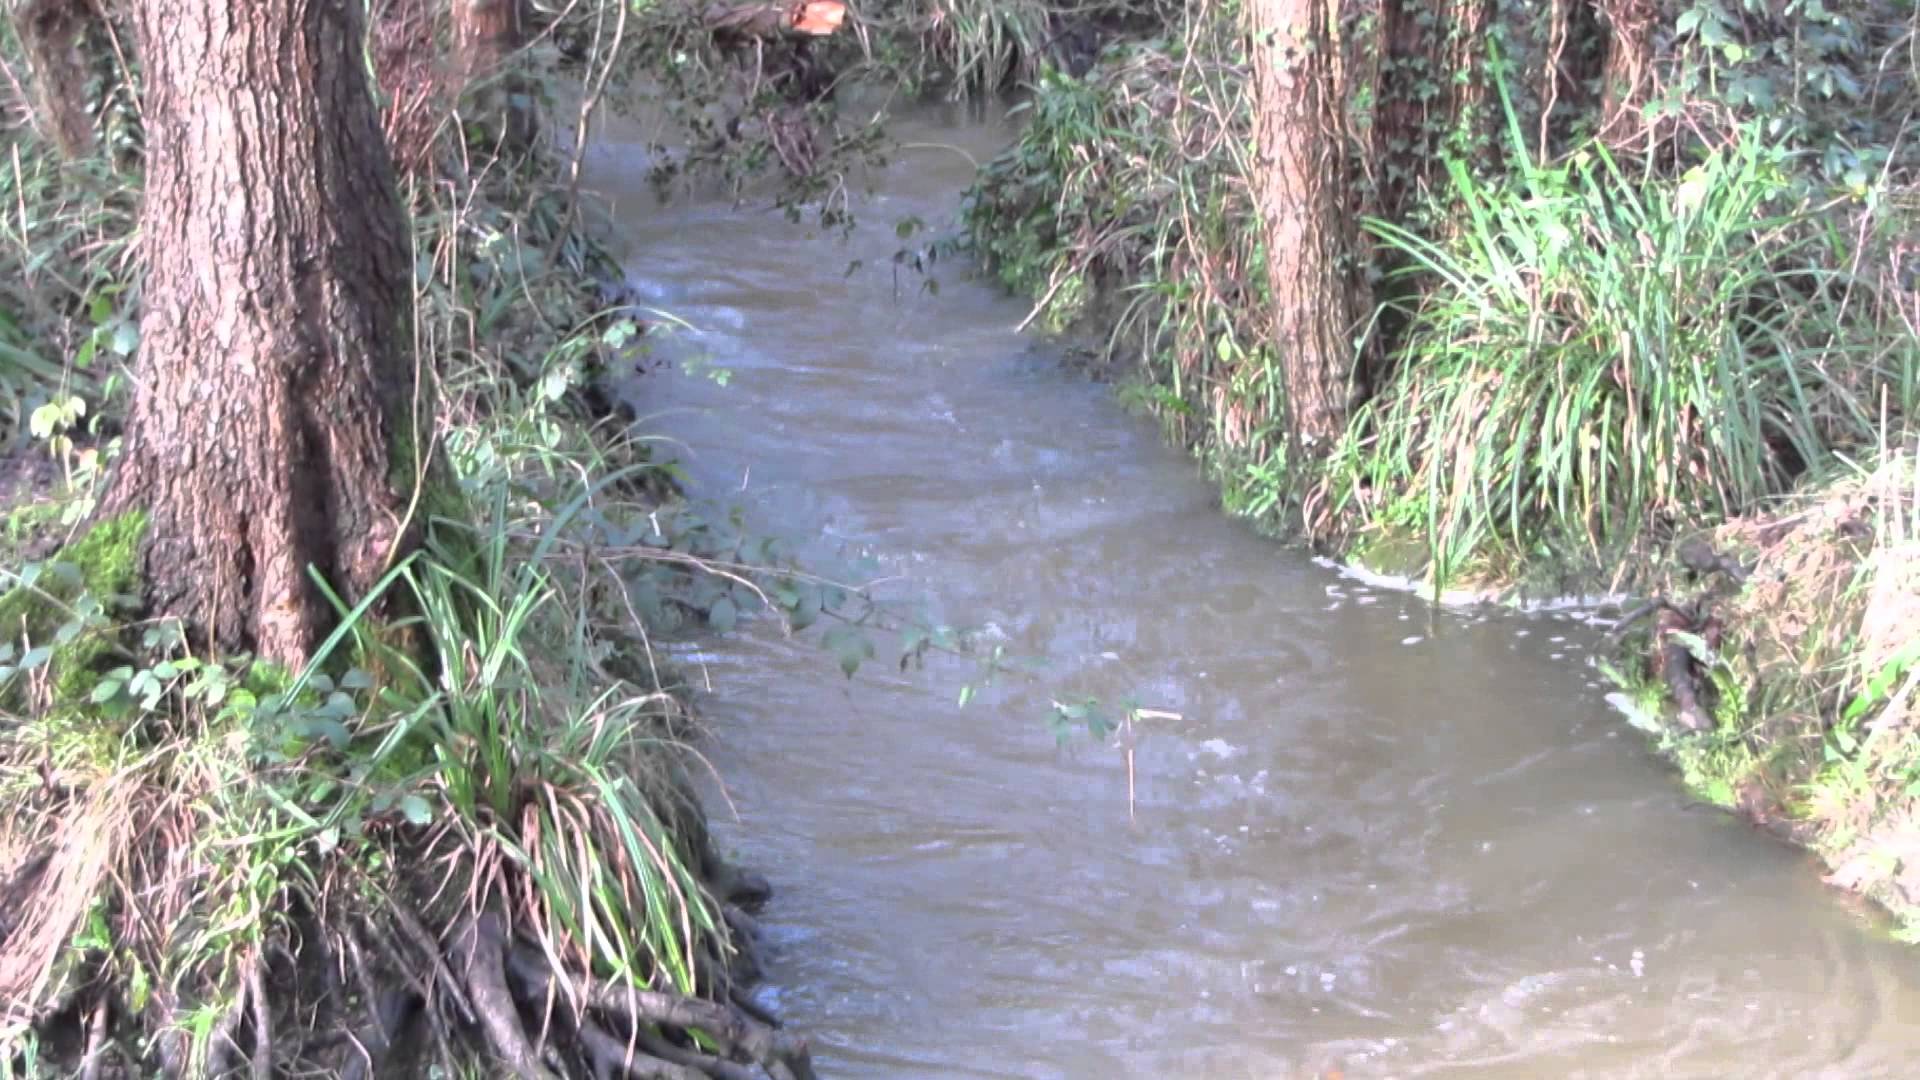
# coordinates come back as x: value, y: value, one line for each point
x: 391, y: 1014
x: 262, y: 1022
x: 367, y: 993
x: 479, y: 947
x: 751, y: 1007
x: 705, y: 1064
x: 613, y: 1059
x: 741, y: 1038
x: 734, y: 886
x: 96, y: 1042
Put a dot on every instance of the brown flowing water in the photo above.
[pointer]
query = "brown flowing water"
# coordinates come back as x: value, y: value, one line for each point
x: 1383, y: 839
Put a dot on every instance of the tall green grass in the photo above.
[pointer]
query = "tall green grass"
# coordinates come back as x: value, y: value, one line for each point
x: 1598, y: 357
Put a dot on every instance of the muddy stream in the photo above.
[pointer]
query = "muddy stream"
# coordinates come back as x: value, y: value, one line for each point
x: 1383, y: 839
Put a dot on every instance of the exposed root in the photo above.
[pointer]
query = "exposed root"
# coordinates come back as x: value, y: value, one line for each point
x: 390, y: 1016
x: 96, y: 1042
x: 479, y: 947
x: 705, y: 1064
x: 732, y: 885
x: 262, y: 1023
x: 752, y: 1008
x: 1674, y: 662
x: 223, y: 1048
x: 612, y: 1059
x: 742, y: 1039
x: 444, y: 979
x: 744, y: 965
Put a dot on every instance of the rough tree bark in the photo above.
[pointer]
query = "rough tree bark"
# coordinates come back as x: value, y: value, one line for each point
x: 49, y: 33
x: 485, y: 32
x: 1431, y: 94
x: 1626, y: 75
x: 1297, y: 187
x: 262, y: 433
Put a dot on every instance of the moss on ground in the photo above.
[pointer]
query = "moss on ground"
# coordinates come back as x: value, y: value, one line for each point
x: 65, y: 605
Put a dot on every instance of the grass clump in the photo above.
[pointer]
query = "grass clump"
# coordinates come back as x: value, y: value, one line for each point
x: 1124, y: 209
x: 1603, y: 357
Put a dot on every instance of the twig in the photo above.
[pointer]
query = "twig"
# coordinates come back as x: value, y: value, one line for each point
x: 96, y: 1042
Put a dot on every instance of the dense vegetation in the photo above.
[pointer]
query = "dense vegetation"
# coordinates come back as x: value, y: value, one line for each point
x: 466, y: 794
x: 1629, y: 298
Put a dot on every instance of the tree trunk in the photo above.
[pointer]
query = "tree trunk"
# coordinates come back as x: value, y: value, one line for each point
x: 1297, y: 187
x: 261, y: 437
x: 485, y: 33
x: 1432, y: 90
x: 50, y: 33
x: 1626, y: 76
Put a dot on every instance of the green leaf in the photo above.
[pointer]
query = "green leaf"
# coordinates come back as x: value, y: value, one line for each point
x: 105, y: 690
x: 332, y: 730
x: 416, y: 810
x: 139, y: 986
x: 723, y: 614
x: 126, y: 337
x: 619, y: 333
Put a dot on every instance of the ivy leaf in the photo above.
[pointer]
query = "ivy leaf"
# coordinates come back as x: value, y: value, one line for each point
x: 416, y: 810
x: 723, y: 615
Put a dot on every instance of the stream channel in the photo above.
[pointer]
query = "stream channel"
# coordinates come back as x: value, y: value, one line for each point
x: 1383, y: 839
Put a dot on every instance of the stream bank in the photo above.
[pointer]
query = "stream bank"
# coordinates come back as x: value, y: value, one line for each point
x: 1733, y: 355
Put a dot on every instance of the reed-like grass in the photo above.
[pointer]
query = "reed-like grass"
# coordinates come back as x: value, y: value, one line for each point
x: 1597, y: 357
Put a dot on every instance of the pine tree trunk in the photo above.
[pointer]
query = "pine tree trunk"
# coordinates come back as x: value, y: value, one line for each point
x: 261, y: 437
x: 1299, y: 175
